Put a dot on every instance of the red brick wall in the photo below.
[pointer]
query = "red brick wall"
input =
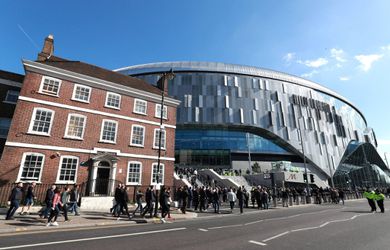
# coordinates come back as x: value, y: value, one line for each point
x: 12, y: 156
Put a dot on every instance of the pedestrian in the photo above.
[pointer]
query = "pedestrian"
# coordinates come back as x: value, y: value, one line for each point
x: 240, y: 198
x: 231, y: 197
x: 341, y: 195
x: 202, y: 199
x: 285, y: 197
x: 149, y: 199
x: 138, y: 200
x: 164, y: 197
x: 48, y: 202
x: 64, y: 201
x: 74, y: 197
x: 380, y: 198
x: 55, y: 208
x: 370, y: 195
x: 184, y: 197
x: 195, y: 198
x: 190, y: 197
x: 116, y: 202
x: 14, y: 201
x: 123, y: 200
x: 216, y: 200
x: 29, y: 198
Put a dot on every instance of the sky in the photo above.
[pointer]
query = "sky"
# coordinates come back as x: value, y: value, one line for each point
x: 342, y: 45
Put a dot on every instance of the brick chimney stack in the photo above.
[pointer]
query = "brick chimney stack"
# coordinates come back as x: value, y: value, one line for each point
x: 48, y: 49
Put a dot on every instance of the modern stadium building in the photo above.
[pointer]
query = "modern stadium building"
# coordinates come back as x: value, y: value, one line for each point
x: 234, y: 116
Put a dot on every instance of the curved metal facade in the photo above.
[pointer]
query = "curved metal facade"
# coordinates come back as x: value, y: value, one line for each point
x: 270, y: 104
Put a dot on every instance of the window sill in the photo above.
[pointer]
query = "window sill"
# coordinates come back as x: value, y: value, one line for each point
x: 8, y: 102
x: 139, y: 113
x: 37, y: 133
x: 53, y: 95
x: 82, y: 101
x: 110, y: 107
x: 65, y: 182
x: 108, y: 142
x: 133, y: 184
x: 137, y: 146
x: 161, y: 148
x: 73, y: 138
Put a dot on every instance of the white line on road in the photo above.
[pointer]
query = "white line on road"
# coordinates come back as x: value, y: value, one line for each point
x: 253, y: 222
x: 276, y: 236
x: 203, y: 230
x: 257, y: 243
x: 237, y: 225
x: 94, y: 238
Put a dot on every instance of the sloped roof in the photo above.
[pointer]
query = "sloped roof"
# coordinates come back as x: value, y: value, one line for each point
x: 100, y: 73
x: 11, y: 76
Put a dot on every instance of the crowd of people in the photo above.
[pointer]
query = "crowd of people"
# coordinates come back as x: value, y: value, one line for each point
x: 56, y: 200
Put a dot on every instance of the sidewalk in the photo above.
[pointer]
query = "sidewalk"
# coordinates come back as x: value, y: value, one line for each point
x: 32, y: 222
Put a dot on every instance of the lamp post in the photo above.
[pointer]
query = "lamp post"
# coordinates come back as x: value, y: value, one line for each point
x: 161, y: 83
x: 304, y: 160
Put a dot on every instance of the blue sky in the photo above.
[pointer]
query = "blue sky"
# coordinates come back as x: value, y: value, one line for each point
x: 343, y: 45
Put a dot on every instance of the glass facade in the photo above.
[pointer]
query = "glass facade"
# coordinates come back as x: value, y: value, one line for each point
x: 243, y: 99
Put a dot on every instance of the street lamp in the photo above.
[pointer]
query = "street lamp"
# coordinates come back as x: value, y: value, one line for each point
x: 304, y: 160
x: 161, y: 83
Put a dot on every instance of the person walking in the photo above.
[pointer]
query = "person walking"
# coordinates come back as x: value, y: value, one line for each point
x: 29, y: 198
x: 64, y: 201
x: 216, y: 200
x: 74, y: 196
x: 231, y: 197
x: 149, y: 199
x: 138, y: 200
x: 164, y: 197
x: 123, y: 200
x: 370, y: 195
x: 14, y: 201
x: 240, y: 198
x: 380, y: 198
x: 55, y: 208
x: 342, y: 195
x: 184, y: 196
x: 48, y: 201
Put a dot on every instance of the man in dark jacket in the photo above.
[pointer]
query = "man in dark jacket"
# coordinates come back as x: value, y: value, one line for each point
x: 149, y: 199
x: 14, y: 200
x: 48, y: 201
x: 240, y: 197
x: 184, y: 196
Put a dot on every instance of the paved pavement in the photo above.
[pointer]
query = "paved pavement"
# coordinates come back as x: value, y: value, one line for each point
x: 33, y: 222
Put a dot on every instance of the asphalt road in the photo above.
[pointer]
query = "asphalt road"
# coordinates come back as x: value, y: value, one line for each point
x: 310, y: 227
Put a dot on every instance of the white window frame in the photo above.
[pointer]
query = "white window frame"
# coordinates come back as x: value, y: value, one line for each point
x: 131, y: 137
x: 30, y: 131
x: 22, y: 165
x: 101, y: 131
x: 58, y: 181
x: 162, y: 166
x: 163, y: 146
x: 114, y: 94
x: 140, y: 173
x: 158, y: 114
x: 8, y: 93
x: 74, y: 93
x: 135, y: 105
x: 41, y: 91
x: 67, y: 127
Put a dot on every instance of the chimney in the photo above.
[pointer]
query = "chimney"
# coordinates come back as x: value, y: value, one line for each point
x: 47, y: 50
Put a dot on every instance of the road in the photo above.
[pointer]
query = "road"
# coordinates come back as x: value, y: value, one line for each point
x: 306, y: 227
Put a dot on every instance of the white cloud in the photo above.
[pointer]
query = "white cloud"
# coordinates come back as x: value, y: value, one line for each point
x: 314, y: 63
x: 366, y: 61
x: 338, y: 65
x: 289, y: 57
x: 344, y: 78
x: 382, y: 142
x: 310, y: 74
x: 338, y: 54
x: 387, y: 47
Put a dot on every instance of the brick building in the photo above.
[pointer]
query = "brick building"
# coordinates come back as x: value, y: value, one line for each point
x: 78, y: 123
x: 10, y: 84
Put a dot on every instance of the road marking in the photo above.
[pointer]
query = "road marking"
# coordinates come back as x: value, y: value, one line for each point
x: 276, y: 236
x: 326, y: 223
x: 253, y: 222
x: 203, y: 230
x: 257, y: 243
x: 238, y: 225
x: 304, y: 229
x: 94, y: 238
